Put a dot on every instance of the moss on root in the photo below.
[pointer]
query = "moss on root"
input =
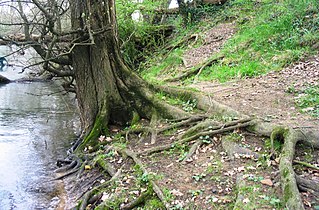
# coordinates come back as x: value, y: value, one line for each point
x: 98, y: 129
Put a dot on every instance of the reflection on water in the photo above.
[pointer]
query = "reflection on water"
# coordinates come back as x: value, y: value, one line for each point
x: 18, y: 61
x: 36, y: 128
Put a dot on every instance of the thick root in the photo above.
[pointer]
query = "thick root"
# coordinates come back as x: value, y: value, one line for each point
x: 155, y: 186
x: 290, y: 190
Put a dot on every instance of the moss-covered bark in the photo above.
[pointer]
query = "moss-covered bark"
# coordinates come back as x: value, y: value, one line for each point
x: 291, y: 193
x: 107, y: 90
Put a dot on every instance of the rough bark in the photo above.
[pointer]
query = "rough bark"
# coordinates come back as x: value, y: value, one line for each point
x: 107, y: 90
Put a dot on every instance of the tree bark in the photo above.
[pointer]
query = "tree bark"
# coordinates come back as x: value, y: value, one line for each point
x: 107, y: 90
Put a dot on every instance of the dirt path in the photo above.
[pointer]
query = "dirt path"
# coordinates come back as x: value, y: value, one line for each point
x: 266, y: 97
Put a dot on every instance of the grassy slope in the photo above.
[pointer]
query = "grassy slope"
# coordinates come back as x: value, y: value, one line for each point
x: 271, y: 35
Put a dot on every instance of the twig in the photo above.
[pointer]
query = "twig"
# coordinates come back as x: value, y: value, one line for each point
x: 306, y: 164
x: 192, y: 150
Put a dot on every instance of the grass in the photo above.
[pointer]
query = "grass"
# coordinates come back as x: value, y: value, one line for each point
x: 270, y: 36
x: 276, y: 34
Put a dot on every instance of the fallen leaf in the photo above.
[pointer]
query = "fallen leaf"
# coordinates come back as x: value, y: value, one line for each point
x: 101, y: 138
x: 135, y: 192
x: 105, y: 196
x: 176, y: 192
x: 214, y: 199
x: 267, y: 182
x: 251, y: 168
x: 108, y: 139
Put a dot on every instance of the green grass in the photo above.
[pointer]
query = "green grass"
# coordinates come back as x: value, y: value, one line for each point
x: 271, y: 34
x: 277, y: 34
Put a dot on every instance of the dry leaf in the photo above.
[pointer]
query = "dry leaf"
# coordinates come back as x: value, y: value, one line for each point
x: 214, y: 199
x: 251, y: 168
x: 267, y: 182
x: 176, y: 192
x: 105, y: 196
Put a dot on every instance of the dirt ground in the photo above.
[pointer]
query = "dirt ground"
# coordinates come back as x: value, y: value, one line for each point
x: 214, y: 177
x: 267, y: 96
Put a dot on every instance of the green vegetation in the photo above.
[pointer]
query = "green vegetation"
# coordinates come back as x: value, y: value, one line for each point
x: 276, y: 34
x: 186, y: 105
x: 139, y: 39
x: 308, y: 101
x: 270, y: 35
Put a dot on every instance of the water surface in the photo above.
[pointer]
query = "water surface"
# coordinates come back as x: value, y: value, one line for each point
x: 37, y: 125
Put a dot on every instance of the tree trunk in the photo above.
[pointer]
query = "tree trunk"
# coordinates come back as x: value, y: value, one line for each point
x: 107, y: 90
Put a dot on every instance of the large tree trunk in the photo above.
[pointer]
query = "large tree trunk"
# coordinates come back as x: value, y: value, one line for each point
x: 107, y: 90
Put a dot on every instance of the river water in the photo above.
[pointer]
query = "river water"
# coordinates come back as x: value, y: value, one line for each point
x: 37, y: 125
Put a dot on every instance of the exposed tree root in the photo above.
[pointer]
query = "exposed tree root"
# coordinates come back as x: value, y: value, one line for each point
x: 183, y: 41
x: 290, y: 190
x: 71, y: 169
x: 106, y: 166
x: 138, y: 201
x: 183, y: 122
x: 192, y: 150
x: 306, y: 164
x: 307, y: 184
x: 153, y: 127
x: 204, y: 102
x: 240, y: 186
x: 213, y: 131
x: 188, y: 121
x: 88, y: 195
x: 204, y: 125
x: 232, y: 148
x: 196, y: 70
x: 155, y: 186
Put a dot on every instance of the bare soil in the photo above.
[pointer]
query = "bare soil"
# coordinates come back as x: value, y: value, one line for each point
x: 210, y: 178
x: 267, y: 96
